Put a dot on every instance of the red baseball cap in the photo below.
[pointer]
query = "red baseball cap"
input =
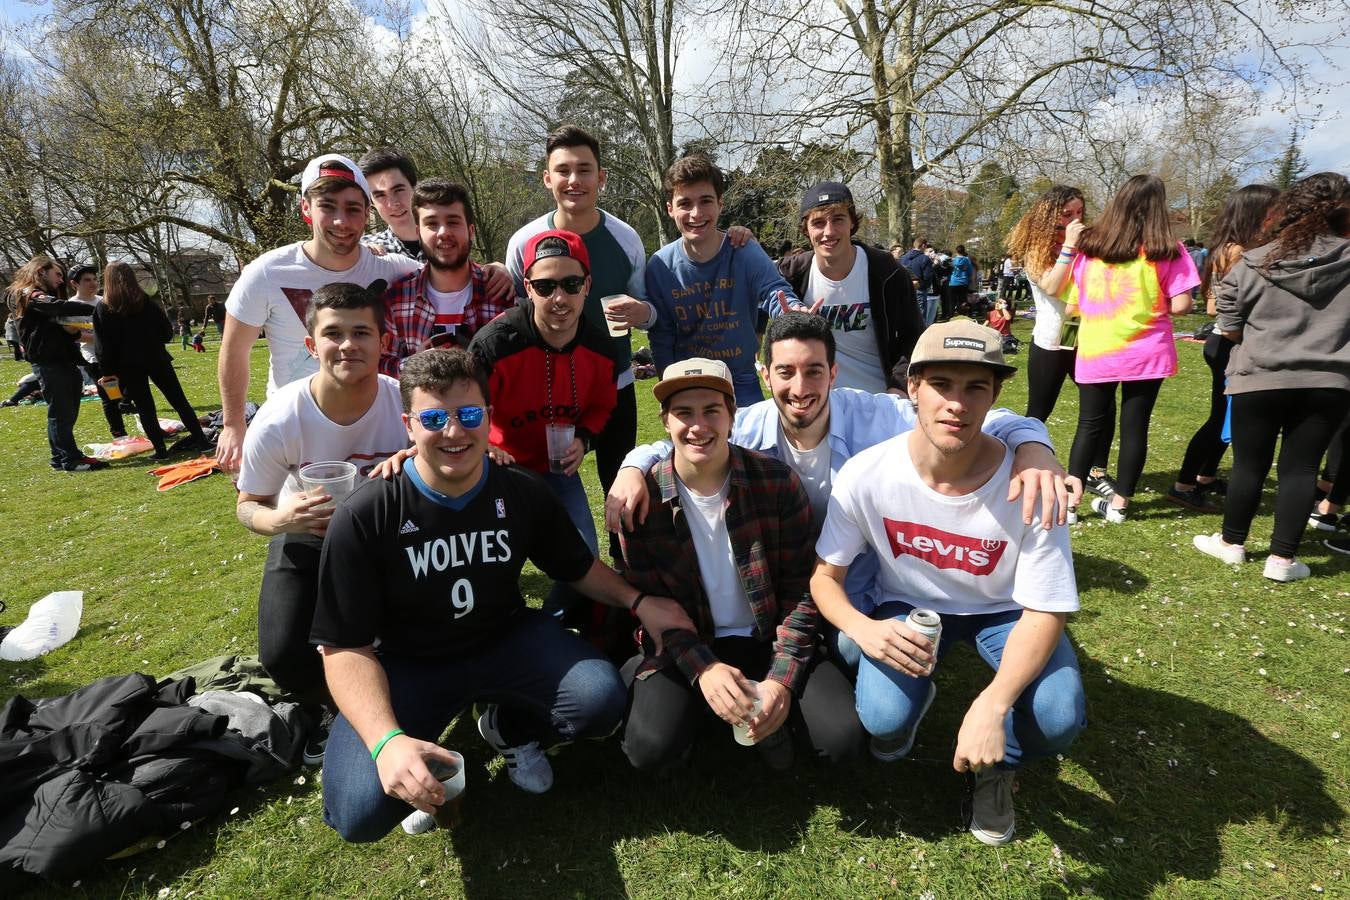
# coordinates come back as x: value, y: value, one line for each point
x: 556, y: 242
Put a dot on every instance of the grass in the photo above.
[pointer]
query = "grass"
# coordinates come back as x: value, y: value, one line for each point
x: 1213, y: 765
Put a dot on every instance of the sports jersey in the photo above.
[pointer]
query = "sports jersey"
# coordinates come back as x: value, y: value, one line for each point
x: 274, y: 291
x: 427, y: 575
x: 617, y: 263
x: 531, y: 384
x: 291, y: 431
x: 963, y: 555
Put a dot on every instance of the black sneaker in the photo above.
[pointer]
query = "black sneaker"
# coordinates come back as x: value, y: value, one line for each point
x: 1192, y: 499
x: 1327, y: 521
x: 992, y: 820
x: 318, y: 740
x: 1217, y: 486
x: 88, y: 464
x: 777, y: 750
x: 1101, y: 485
x: 1338, y: 545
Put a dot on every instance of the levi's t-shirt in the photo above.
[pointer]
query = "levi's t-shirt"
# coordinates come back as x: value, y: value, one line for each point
x: 966, y: 555
x: 422, y: 574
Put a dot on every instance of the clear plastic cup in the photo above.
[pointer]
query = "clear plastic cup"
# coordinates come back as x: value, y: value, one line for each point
x: 560, y: 437
x: 616, y: 329
x: 741, y: 732
x: 336, y: 479
x: 111, y: 386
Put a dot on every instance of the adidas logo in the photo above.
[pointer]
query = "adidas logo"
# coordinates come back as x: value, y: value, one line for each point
x: 408, y: 528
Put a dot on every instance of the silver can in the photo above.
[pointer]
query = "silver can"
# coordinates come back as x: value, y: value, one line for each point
x: 929, y: 624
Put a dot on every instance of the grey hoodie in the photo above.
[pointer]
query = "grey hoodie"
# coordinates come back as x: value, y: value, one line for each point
x: 1294, y: 319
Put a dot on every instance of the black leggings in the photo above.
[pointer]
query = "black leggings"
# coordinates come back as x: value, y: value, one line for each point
x: 1096, y: 406
x: 1337, y: 470
x: 136, y: 385
x: 1046, y: 371
x: 1207, y: 446
x: 1304, y: 420
x: 666, y: 712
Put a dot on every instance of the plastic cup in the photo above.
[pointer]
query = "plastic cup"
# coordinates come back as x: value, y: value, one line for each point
x: 560, y: 438
x: 451, y: 776
x: 336, y: 479
x: 111, y: 386
x: 616, y: 329
x: 741, y: 732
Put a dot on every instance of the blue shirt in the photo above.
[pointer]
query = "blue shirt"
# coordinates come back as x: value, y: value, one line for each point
x: 710, y: 309
x: 961, y: 271
x: 858, y: 420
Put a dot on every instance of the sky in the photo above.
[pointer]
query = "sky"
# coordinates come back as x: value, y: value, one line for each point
x: 1325, y: 105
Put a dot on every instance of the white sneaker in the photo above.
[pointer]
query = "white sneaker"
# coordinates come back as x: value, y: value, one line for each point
x: 1102, y: 507
x: 1213, y: 545
x: 1278, y: 571
x: 419, y: 822
x: 526, y: 765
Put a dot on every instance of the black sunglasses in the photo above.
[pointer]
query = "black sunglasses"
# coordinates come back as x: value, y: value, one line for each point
x: 437, y: 419
x: 545, y: 287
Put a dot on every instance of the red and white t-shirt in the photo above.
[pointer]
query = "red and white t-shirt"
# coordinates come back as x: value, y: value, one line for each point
x: 955, y: 555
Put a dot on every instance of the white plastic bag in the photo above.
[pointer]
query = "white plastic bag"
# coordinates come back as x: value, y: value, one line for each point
x: 51, y: 622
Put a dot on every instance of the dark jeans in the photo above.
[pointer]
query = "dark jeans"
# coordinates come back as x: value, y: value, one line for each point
x: 957, y: 295
x: 1303, y: 421
x: 17, y: 349
x: 111, y: 410
x: 286, y: 601
x: 61, y: 384
x: 613, y: 443
x: 136, y: 386
x: 1207, y: 446
x: 1096, y: 405
x: 552, y: 687
x: 1046, y: 371
x: 666, y: 713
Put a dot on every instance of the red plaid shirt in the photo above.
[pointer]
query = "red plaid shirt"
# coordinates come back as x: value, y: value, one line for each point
x: 410, y: 318
x: 769, y: 523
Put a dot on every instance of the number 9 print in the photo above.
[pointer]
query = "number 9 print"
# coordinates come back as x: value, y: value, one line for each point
x: 461, y: 597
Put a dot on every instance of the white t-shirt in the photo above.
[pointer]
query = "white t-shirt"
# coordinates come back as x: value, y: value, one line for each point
x: 1008, y: 267
x: 291, y: 431
x: 449, y: 306
x: 1049, y: 318
x: 967, y: 555
x: 813, y: 468
x: 707, y: 518
x: 274, y: 290
x: 87, y: 347
x: 848, y: 309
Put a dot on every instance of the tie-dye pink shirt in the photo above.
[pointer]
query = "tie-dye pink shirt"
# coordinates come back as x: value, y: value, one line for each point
x: 1126, y: 331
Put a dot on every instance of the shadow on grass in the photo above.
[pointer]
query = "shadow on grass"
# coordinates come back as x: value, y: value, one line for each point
x: 1107, y: 574
x: 1176, y: 774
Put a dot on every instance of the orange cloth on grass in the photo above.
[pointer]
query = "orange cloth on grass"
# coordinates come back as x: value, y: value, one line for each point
x: 183, y: 472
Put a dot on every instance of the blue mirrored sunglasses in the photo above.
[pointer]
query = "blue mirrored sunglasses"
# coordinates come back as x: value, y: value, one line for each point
x: 437, y: 419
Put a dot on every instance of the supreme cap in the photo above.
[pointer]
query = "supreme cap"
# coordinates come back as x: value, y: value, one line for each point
x: 695, y: 373
x: 824, y: 194
x: 556, y: 242
x: 960, y: 341
x: 321, y: 167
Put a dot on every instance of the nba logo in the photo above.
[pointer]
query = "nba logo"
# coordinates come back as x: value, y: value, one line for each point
x: 501, y: 508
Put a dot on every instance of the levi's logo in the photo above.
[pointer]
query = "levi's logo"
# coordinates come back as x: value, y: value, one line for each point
x: 942, y: 548
x: 957, y: 343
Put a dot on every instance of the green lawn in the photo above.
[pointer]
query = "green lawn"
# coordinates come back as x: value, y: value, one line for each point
x: 1213, y: 765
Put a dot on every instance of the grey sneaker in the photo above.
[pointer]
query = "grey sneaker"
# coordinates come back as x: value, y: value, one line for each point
x: 891, y: 749
x: 991, y: 808
x: 526, y: 765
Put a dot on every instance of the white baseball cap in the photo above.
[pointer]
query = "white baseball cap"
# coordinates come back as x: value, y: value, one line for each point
x: 318, y: 168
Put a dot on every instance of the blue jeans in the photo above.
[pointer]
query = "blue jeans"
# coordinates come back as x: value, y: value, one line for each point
x: 1043, y: 721
x: 552, y: 687
x: 61, y: 384
x: 563, y: 601
x: 928, y: 307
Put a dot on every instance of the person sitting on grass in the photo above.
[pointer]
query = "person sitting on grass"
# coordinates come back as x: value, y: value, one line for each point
x: 347, y: 412
x: 725, y: 538
x: 930, y: 505
x: 420, y: 614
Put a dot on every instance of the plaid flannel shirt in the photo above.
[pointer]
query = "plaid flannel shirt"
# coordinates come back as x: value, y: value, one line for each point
x: 391, y: 244
x: 769, y: 522
x: 410, y: 318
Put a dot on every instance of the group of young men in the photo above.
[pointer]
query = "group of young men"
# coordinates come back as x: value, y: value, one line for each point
x: 472, y: 393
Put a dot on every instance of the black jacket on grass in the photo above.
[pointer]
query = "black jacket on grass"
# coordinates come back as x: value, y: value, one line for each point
x: 98, y: 770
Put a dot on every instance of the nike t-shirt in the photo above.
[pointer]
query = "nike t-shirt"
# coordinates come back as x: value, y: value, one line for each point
x: 963, y: 555
x: 273, y: 292
x: 847, y: 307
x: 426, y: 575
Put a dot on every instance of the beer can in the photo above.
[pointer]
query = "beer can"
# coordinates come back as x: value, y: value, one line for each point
x: 929, y: 624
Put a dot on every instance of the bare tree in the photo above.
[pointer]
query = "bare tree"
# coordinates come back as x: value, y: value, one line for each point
x: 940, y: 87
